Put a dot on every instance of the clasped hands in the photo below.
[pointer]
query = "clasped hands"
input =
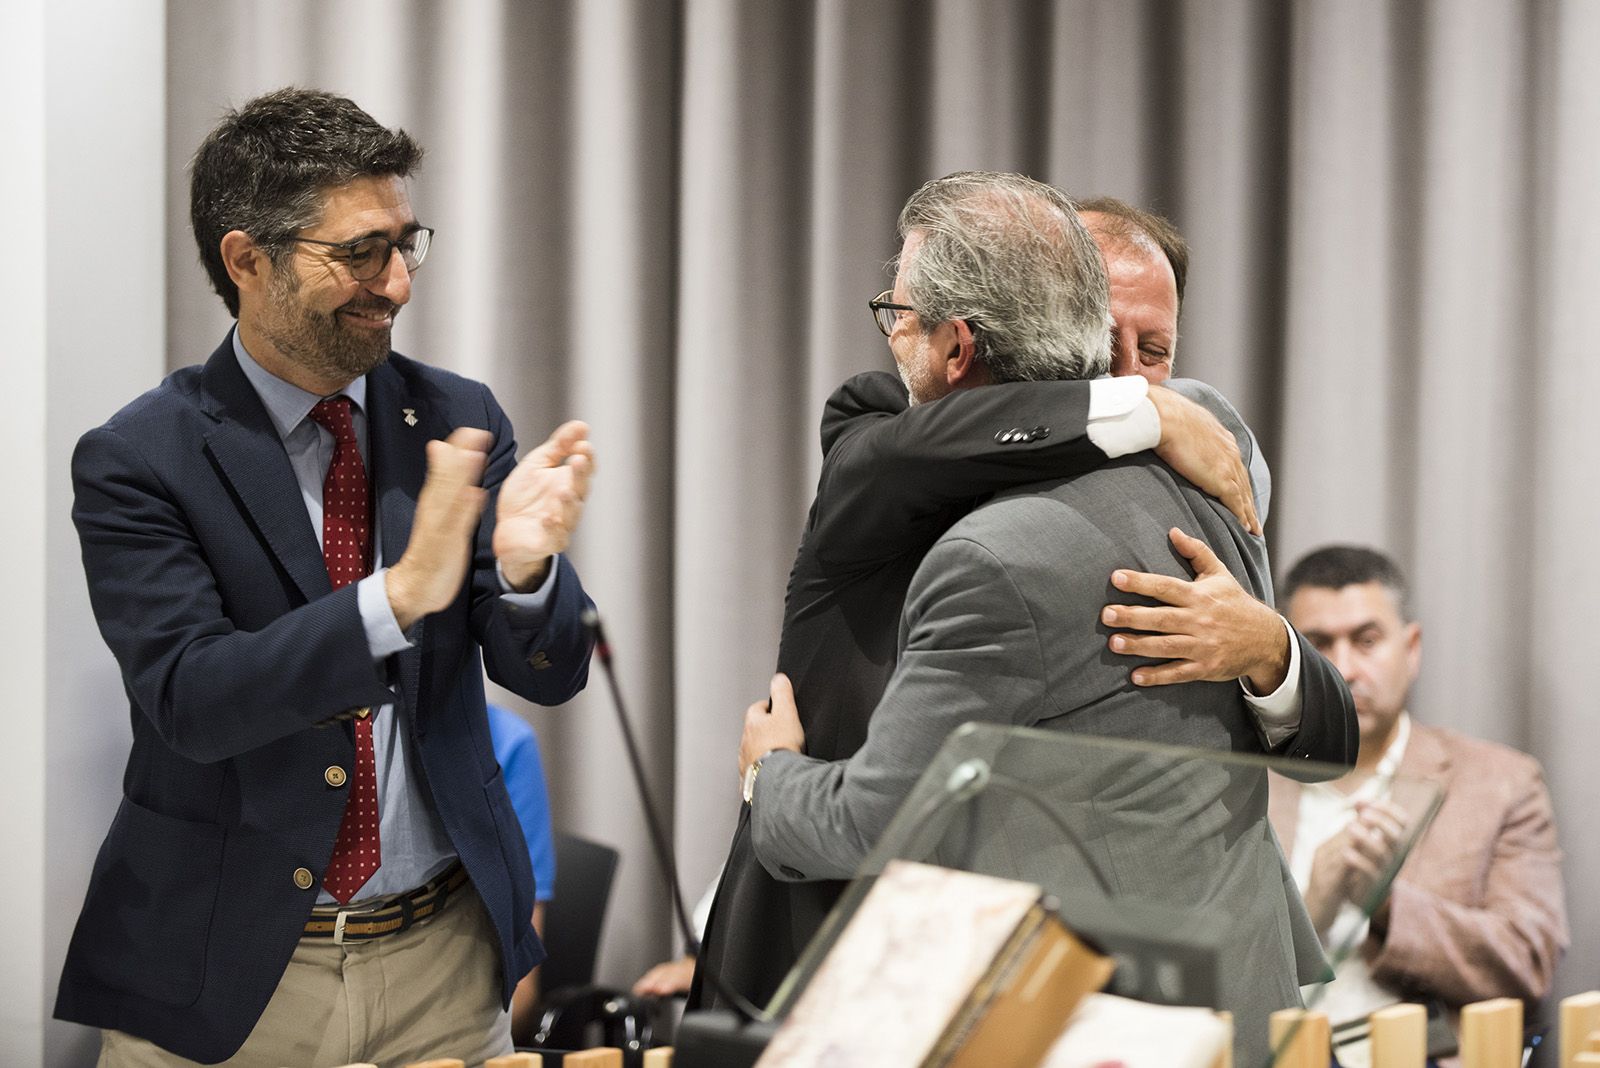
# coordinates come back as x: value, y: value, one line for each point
x: 1348, y: 866
x: 539, y: 506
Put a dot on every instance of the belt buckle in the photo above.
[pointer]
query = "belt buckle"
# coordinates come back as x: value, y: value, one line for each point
x: 345, y: 914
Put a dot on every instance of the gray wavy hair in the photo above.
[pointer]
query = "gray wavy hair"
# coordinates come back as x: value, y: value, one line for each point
x: 1009, y: 255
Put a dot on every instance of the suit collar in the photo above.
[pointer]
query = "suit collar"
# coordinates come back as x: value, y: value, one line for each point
x: 1425, y: 757
x: 225, y: 392
x: 286, y: 403
x: 245, y: 445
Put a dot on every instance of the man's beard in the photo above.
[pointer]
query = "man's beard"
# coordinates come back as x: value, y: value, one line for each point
x: 918, y: 379
x: 319, y: 341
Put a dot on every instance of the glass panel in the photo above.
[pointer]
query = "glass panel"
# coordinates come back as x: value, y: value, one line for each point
x: 1161, y: 856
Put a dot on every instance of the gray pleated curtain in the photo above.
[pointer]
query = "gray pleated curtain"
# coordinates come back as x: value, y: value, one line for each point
x: 666, y: 218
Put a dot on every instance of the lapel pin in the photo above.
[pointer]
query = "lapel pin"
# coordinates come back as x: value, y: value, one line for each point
x: 411, y: 416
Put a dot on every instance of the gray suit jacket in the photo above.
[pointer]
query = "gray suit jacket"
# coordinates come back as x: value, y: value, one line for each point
x: 1001, y: 625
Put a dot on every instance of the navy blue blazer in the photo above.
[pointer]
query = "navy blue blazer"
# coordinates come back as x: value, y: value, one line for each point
x: 208, y: 584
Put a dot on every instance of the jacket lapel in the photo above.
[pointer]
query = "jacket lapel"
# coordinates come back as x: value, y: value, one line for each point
x: 399, y: 454
x: 1425, y: 760
x: 399, y: 427
x: 249, y: 454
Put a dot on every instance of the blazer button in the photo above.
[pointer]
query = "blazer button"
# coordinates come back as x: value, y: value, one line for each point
x: 334, y: 775
x: 303, y: 879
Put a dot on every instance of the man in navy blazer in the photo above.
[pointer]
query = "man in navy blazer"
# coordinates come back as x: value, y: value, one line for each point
x: 209, y: 930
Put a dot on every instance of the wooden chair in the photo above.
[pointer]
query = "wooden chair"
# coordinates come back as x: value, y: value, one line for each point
x: 1307, y: 1035
x: 1580, y: 1030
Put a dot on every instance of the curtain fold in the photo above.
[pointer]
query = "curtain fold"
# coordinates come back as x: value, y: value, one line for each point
x: 666, y: 219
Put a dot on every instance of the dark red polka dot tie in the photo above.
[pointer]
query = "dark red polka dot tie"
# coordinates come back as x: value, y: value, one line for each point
x: 347, y: 550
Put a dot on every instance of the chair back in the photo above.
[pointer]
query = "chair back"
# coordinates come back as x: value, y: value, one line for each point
x: 576, y: 912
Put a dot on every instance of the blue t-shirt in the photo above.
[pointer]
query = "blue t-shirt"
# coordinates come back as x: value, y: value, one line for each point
x: 516, y: 747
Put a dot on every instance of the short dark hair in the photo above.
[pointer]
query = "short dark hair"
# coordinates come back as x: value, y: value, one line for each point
x: 266, y: 166
x: 1128, y: 222
x: 1334, y: 567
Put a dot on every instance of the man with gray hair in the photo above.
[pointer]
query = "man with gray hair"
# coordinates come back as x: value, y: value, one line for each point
x: 999, y: 282
x: 1009, y: 276
x: 896, y: 474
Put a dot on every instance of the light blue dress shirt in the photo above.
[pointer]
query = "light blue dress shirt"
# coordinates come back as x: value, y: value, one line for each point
x: 414, y: 843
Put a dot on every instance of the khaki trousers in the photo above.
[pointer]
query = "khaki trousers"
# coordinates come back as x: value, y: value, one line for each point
x: 432, y: 990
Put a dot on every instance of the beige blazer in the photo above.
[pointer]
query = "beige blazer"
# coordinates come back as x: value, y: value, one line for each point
x: 1478, y: 909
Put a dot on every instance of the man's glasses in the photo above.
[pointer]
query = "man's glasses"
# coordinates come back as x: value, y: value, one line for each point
x: 368, y: 257
x: 885, y: 311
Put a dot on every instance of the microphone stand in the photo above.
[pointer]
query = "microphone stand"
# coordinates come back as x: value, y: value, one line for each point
x: 705, y: 1039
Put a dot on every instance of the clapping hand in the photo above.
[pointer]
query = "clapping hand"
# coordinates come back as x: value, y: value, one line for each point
x: 540, y: 504
x: 429, y: 573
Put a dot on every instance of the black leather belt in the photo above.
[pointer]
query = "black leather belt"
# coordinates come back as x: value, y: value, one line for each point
x: 386, y: 915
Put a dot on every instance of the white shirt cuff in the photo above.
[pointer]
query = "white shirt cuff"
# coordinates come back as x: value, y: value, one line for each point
x: 1278, y: 713
x: 1122, y: 419
x: 384, y: 636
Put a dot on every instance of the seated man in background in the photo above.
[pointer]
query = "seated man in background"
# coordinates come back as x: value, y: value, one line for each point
x: 1477, y: 911
x: 516, y: 748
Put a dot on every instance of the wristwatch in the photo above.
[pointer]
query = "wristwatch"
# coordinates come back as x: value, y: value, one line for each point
x: 747, y: 787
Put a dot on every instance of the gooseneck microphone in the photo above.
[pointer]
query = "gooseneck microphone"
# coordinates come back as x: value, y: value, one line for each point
x: 658, y: 838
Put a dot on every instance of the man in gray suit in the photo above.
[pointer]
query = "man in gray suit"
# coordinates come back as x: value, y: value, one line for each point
x: 1000, y: 282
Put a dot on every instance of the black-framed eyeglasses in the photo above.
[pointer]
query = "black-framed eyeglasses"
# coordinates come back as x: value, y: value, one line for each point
x: 885, y: 311
x: 368, y: 257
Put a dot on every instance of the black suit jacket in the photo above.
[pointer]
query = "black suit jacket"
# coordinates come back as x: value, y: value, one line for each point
x: 894, y: 479
x: 209, y: 586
